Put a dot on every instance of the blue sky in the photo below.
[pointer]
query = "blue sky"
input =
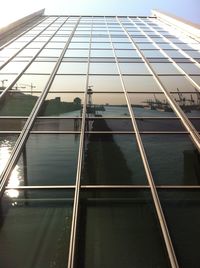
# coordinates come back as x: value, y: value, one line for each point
x: 187, y: 9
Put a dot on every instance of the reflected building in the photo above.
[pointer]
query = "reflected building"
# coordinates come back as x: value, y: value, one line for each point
x: 99, y: 142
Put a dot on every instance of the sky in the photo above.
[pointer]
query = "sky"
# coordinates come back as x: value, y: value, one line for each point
x: 12, y: 10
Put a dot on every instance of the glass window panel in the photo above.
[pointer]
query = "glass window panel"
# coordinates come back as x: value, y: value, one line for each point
x: 153, y: 105
x: 14, y: 67
x: 50, y: 53
x: 174, y: 54
x: 133, y: 68
x: 77, y: 53
x: 164, y: 150
x: 35, y: 45
x: 28, y: 52
x: 103, y: 68
x: 190, y: 68
x: 161, y: 125
x: 189, y: 103
x: 55, y: 45
x: 101, y: 45
x: 165, y: 68
x: 112, y: 105
x: 68, y: 83
x: 7, y: 142
x: 79, y: 45
x: 8, y: 52
x: 196, y: 123
x: 146, y: 46
x: 177, y: 83
x: 181, y: 209
x: 100, y: 39
x: 41, y: 67
x: 193, y: 54
x: 61, y: 104
x: 196, y: 79
x: 29, y: 218
x: 140, y: 83
x: 60, y: 39
x: 102, y: 53
x: 47, y: 159
x: 153, y: 54
x: 17, y: 104
x: 57, y: 124
x: 105, y: 83
x: 123, y: 45
x: 72, y: 68
x: 31, y: 82
x: 127, y: 53
x: 11, y: 124
x: 106, y: 124
x: 99, y: 167
x: 119, y: 229
x: 5, y: 80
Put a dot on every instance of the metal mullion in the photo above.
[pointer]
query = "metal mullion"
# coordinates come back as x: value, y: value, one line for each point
x: 180, y: 50
x: 29, y: 63
x: 72, y: 244
x: 40, y: 187
x: 158, y: 208
x: 29, y: 42
x: 179, y: 112
x: 26, y: 129
x: 15, y: 38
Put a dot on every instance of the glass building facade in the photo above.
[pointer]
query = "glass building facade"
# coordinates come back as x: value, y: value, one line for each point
x: 99, y: 144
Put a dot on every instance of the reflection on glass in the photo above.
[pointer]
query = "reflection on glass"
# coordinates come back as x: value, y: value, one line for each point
x: 31, y: 82
x: 173, y: 159
x: 77, y: 53
x: 165, y: 68
x: 57, y: 124
x: 50, y: 53
x: 177, y: 83
x: 17, y: 104
x: 106, y: 124
x: 119, y: 229
x: 133, y: 68
x: 190, y: 68
x: 112, y: 159
x: 196, y: 123
x: 11, y: 124
x: 62, y: 104
x: 154, y: 105
x: 159, y: 124
x: 72, y: 68
x: 5, y: 80
x: 7, y: 142
x: 105, y: 83
x: 140, y: 83
x: 181, y: 209
x: 14, y: 67
x: 189, y: 102
x: 100, y: 105
x: 48, y: 159
x: 41, y: 67
x: 102, y: 53
x: 103, y: 68
x: 35, y: 229
x: 153, y: 54
x: 68, y: 83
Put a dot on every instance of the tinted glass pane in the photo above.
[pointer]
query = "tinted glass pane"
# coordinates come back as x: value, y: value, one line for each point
x: 173, y: 159
x: 181, y: 209
x: 140, y: 83
x: 57, y: 124
x: 41, y: 67
x: 108, y: 124
x: 154, y: 105
x: 8, y: 124
x: 61, y: 104
x: 103, y: 68
x: 69, y: 83
x: 119, y: 229
x: 105, y: 83
x: 112, y: 159
x: 165, y: 68
x: 7, y: 142
x: 133, y: 68
x: 35, y: 231
x: 17, y: 104
x: 14, y: 67
x: 196, y: 123
x: 159, y: 125
x: 72, y: 68
x: 190, y: 68
x: 48, y: 159
x: 106, y: 105
x: 177, y: 83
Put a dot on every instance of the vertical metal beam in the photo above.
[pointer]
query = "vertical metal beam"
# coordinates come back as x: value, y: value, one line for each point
x: 161, y: 218
x: 72, y: 245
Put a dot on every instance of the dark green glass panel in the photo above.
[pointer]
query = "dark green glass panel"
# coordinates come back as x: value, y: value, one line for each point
x: 35, y: 229
x: 196, y: 123
x: 119, y: 229
x: 112, y: 159
x: 47, y: 159
x: 57, y: 124
x: 181, y: 209
x: 17, y: 104
x: 173, y: 159
x: 107, y: 124
x: 12, y: 124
